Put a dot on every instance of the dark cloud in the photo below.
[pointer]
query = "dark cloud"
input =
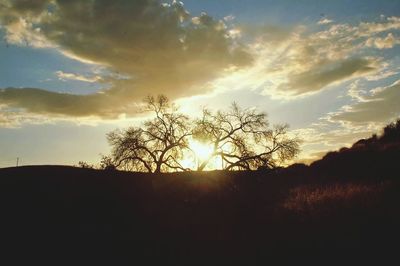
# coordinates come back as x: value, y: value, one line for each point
x: 327, y: 74
x: 24, y: 6
x: 157, y: 45
x: 42, y: 102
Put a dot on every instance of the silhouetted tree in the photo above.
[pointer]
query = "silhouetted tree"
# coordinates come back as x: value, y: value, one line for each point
x: 85, y: 165
x: 158, y: 144
x: 391, y: 133
x: 107, y: 163
x: 242, y: 139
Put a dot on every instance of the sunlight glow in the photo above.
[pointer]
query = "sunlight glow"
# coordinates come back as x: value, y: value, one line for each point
x: 201, y: 150
x: 199, y: 153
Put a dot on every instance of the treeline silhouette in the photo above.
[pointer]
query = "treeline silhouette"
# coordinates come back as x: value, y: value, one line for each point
x: 344, y: 204
x: 374, y: 156
x: 241, y: 139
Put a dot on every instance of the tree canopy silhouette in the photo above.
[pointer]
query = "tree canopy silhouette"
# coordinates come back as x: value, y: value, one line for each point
x: 242, y: 139
x: 158, y: 145
x: 391, y: 133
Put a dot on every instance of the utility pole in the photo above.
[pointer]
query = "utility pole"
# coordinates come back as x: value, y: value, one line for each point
x: 17, y: 161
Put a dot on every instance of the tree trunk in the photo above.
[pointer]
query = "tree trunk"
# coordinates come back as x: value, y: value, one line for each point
x: 203, y: 164
x: 158, y: 168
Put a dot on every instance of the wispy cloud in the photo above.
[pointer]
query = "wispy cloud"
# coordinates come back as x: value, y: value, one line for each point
x: 297, y: 62
x: 324, y: 21
x: 71, y: 76
x: 381, y: 105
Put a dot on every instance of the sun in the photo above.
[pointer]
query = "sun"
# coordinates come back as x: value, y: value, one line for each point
x: 201, y: 150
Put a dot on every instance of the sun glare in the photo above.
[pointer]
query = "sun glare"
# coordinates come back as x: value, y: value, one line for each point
x: 199, y: 153
x: 201, y: 150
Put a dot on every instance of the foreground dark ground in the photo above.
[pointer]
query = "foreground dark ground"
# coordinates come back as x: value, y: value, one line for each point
x: 346, y: 204
x: 64, y: 213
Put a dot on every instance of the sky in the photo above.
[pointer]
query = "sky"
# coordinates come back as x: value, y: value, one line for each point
x: 72, y: 71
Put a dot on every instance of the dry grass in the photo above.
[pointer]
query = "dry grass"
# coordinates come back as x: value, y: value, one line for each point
x: 326, y: 198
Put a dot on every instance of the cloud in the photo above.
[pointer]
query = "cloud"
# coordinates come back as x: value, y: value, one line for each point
x: 20, y: 31
x: 355, y: 92
x: 381, y: 106
x: 328, y: 73
x: 42, y: 101
x: 382, y: 75
x: 156, y: 45
x: 296, y: 62
x: 107, y: 104
x: 301, y: 61
x: 150, y: 47
x: 371, y: 28
x: 324, y: 21
x: 18, y: 17
x: 382, y: 43
x: 71, y: 76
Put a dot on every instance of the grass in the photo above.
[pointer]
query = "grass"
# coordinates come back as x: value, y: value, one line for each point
x: 317, y: 199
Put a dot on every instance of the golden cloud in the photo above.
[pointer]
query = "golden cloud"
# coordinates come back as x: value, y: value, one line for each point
x: 161, y: 48
x: 156, y: 45
x: 299, y: 61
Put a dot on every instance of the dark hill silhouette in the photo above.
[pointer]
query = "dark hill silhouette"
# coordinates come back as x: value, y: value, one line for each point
x: 343, y: 204
x: 372, y: 157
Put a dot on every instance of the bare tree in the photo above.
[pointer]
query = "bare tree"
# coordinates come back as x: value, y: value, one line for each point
x: 107, y: 163
x: 243, y: 140
x: 158, y: 145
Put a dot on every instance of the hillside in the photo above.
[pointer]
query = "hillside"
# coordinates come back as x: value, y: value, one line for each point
x: 376, y: 156
x: 345, y: 203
